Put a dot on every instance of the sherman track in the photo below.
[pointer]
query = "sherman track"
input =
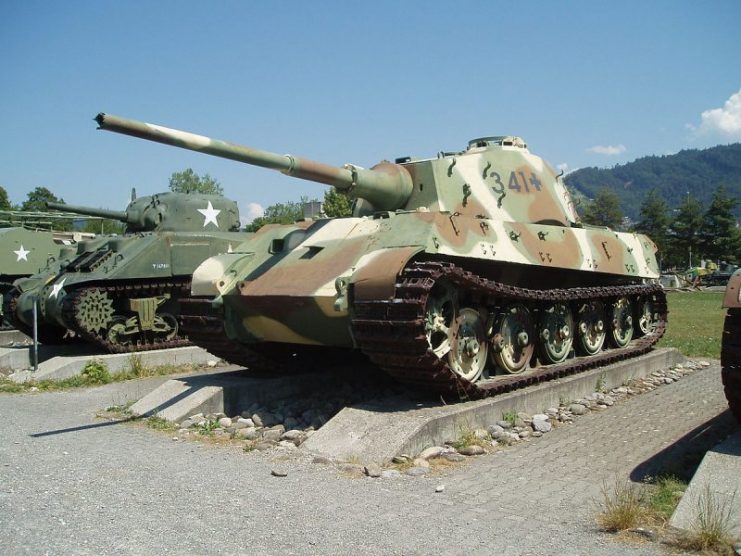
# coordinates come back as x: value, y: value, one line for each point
x: 393, y: 334
x: 177, y: 288
x: 730, y: 360
x: 5, y: 323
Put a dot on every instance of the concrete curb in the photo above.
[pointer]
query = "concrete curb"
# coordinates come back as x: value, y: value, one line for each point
x: 9, y: 337
x: 65, y: 366
x: 720, y: 474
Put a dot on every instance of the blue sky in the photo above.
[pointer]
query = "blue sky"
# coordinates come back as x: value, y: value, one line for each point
x: 585, y: 83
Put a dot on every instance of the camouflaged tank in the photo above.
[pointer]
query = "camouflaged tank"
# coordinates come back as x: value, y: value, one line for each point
x: 123, y: 293
x: 24, y: 252
x: 730, y: 352
x: 468, y: 273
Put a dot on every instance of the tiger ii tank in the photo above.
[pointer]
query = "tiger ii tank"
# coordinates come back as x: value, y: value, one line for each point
x: 123, y: 293
x: 730, y: 352
x: 468, y: 273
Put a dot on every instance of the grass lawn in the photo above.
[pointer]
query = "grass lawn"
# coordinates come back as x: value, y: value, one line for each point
x: 695, y: 323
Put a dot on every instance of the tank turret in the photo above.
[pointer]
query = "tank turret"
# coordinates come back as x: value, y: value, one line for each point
x: 168, y: 211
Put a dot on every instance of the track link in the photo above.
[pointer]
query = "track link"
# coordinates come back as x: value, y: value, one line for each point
x: 392, y: 332
x: 730, y: 360
x: 179, y: 288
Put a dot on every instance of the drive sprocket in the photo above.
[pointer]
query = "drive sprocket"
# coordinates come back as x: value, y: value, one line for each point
x: 95, y: 310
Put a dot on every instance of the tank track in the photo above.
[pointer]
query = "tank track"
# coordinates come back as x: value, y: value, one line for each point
x: 392, y: 332
x: 5, y: 322
x: 205, y: 328
x: 730, y: 360
x: 179, y: 287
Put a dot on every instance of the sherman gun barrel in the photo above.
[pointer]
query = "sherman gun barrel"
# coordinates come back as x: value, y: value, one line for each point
x: 386, y: 186
x: 89, y: 211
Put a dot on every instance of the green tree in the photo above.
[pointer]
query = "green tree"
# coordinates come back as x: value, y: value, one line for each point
x: 4, y: 201
x: 718, y: 237
x: 654, y: 220
x: 36, y: 200
x: 604, y: 210
x: 279, y: 213
x: 683, y: 235
x: 337, y: 203
x: 188, y: 181
x: 105, y: 226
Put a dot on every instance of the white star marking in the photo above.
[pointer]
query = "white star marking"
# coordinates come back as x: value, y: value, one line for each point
x: 210, y: 214
x: 22, y: 254
x: 56, y: 288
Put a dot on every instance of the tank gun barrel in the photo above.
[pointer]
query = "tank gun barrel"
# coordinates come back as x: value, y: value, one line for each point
x: 386, y: 186
x: 89, y: 211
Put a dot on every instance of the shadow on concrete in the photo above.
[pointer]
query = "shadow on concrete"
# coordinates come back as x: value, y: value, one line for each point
x: 682, y: 458
x: 82, y: 428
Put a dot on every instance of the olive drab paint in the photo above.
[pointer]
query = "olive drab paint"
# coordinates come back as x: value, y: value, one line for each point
x: 24, y: 252
x: 127, y: 281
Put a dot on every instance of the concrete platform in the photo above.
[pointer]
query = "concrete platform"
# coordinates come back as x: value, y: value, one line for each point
x: 73, y: 361
x: 379, y: 430
x: 11, y: 337
x: 720, y: 475
x: 229, y: 392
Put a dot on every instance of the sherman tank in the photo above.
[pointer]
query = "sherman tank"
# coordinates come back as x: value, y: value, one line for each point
x: 123, y: 293
x: 24, y: 252
x: 730, y: 353
x: 468, y: 273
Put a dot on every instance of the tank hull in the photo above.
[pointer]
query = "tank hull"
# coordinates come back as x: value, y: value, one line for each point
x: 298, y: 285
x: 24, y: 253
x: 132, y: 283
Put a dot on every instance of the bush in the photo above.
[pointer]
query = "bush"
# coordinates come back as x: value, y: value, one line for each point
x: 96, y: 372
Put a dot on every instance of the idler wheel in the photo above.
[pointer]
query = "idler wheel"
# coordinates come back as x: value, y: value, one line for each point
x: 645, y: 315
x: 621, y: 329
x: 556, y: 334
x: 511, y: 338
x: 591, y: 328
x: 468, y: 346
x: 440, y: 314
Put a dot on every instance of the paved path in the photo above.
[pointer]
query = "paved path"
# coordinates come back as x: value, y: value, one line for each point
x: 70, y: 484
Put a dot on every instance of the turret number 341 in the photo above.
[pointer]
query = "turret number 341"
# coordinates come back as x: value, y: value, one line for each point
x: 518, y: 181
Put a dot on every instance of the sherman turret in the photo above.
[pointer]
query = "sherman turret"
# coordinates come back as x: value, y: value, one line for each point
x: 123, y: 293
x: 454, y: 272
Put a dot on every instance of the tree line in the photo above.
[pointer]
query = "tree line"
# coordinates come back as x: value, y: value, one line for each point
x: 697, y: 171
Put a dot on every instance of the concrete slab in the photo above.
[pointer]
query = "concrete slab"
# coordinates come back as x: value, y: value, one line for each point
x: 720, y: 475
x: 20, y: 357
x: 229, y: 392
x: 58, y: 367
x: 10, y: 337
x: 379, y: 431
